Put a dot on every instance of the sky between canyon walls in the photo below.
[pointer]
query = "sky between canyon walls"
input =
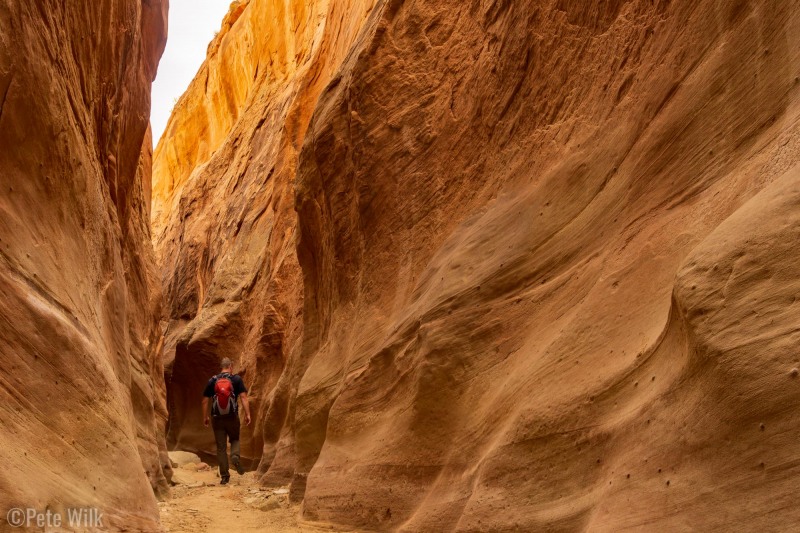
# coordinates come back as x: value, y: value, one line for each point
x: 192, y: 25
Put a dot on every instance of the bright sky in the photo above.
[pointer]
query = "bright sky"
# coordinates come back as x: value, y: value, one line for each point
x: 192, y: 25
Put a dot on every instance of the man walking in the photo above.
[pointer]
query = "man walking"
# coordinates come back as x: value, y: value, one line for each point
x: 224, y: 390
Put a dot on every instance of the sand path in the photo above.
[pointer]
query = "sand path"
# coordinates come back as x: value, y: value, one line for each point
x: 200, y: 505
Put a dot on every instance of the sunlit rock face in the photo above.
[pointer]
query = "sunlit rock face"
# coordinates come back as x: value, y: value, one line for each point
x: 225, y: 227
x: 83, y: 412
x: 495, y: 265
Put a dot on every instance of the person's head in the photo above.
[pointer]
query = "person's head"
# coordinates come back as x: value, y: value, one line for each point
x: 225, y: 364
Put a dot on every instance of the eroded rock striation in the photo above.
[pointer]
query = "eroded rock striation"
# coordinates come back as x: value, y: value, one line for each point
x: 83, y: 412
x: 225, y: 227
x: 496, y: 265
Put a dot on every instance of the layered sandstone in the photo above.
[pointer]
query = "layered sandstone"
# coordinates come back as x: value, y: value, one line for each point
x: 82, y: 413
x: 498, y: 265
x: 223, y: 209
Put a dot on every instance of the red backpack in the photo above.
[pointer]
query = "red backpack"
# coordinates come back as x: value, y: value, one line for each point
x: 224, y: 400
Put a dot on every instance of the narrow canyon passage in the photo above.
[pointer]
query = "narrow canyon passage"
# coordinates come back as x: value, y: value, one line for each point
x: 483, y: 266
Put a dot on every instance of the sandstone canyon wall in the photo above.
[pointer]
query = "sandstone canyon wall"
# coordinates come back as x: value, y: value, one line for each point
x: 223, y: 209
x: 496, y: 265
x: 82, y: 414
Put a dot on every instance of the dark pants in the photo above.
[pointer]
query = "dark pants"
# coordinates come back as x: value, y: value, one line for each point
x: 226, y: 428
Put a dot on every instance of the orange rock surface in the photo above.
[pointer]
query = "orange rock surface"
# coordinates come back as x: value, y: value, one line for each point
x: 223, y: 210
x: 82, y: 413
x: 495, y: 265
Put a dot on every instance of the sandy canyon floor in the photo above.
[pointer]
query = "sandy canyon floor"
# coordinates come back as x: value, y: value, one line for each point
x: 201, y: 505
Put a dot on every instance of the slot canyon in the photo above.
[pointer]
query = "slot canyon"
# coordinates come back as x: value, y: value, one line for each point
x: 484, y: 265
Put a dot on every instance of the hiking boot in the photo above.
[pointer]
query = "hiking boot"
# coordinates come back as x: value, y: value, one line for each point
x: 225, y: 480
x: 238, y: 466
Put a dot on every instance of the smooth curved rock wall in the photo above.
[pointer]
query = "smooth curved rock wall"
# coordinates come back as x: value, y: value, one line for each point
x: 83, y: 413
x: 508, y: 266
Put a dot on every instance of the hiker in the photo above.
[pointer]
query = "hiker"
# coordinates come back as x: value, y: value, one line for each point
x: 225, y: 389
